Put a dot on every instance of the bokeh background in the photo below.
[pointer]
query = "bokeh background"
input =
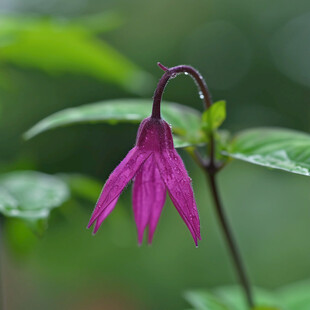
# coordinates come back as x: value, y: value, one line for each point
x: 254, y: 54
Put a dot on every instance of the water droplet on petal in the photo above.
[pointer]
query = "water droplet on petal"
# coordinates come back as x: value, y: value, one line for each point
x: 186, y: 73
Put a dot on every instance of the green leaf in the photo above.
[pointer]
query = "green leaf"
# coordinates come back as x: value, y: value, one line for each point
x: 203, y: 300
x: 31, y: 195
x: 231, y: 298
x: 213, y: 117
x: 185, y: 121
x: 7, y: 201
x: 296, y: 296
x: 63, y: 46
x: 234, y: 297
x: 277, y: 148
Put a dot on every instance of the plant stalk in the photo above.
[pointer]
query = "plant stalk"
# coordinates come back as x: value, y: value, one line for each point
x: 211, y: 167
x: 230, y: 240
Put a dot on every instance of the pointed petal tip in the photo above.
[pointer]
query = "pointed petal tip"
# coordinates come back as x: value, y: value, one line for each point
x: 150, y: 235
x: 196, y: 239
x: 150, y: 239
x: 198, y: 235
x: 92, y: 220
x: 97, y: 225
x: 90, y: 224
x: 140, y: 238
x: 180, y: 190
x: 95, y: 230
x: 115, y: 184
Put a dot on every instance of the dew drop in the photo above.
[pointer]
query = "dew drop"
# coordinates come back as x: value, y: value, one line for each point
x: 186, y: 73
x: 201, y: 96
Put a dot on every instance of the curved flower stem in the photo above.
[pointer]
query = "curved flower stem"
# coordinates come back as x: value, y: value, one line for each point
x: 172, y: 73
x: 211, y: 168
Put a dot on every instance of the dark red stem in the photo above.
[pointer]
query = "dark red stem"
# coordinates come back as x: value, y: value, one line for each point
x: 172, y: 73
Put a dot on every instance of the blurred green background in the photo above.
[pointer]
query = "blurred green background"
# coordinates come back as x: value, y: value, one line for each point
x: 63, y: 53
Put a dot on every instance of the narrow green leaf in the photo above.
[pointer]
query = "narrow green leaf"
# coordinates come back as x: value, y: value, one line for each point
x: 185, y: 121
x: 31, y: 195
x: 277, y: 148
x: 213, y: 117
x: 63, y: 46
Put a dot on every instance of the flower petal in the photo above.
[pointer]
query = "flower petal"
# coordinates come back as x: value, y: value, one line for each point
x: 178, y: 183
x: 118, y: 179
x: 149, y: 195
x: 104, y: 214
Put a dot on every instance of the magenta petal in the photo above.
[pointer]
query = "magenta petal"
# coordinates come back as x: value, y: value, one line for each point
x: 103, y: 215
x: 149, y: 195
x: 178, y: 183
x: 118, y: 179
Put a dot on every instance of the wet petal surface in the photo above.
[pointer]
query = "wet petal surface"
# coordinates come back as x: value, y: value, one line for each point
x: 118, y: 180
x: 178, y: 184
x: 149, y: 195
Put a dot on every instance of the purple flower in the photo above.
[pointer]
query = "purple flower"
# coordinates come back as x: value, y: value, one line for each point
x: 155, y: 167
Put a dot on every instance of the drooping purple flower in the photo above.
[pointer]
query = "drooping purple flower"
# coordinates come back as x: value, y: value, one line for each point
x: 155, y: 168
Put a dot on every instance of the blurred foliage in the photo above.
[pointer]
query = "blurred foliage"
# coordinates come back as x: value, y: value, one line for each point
x: 293, y: 297
x: 231, y: 298
x: 30, y: 196
x: 61, y: 46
